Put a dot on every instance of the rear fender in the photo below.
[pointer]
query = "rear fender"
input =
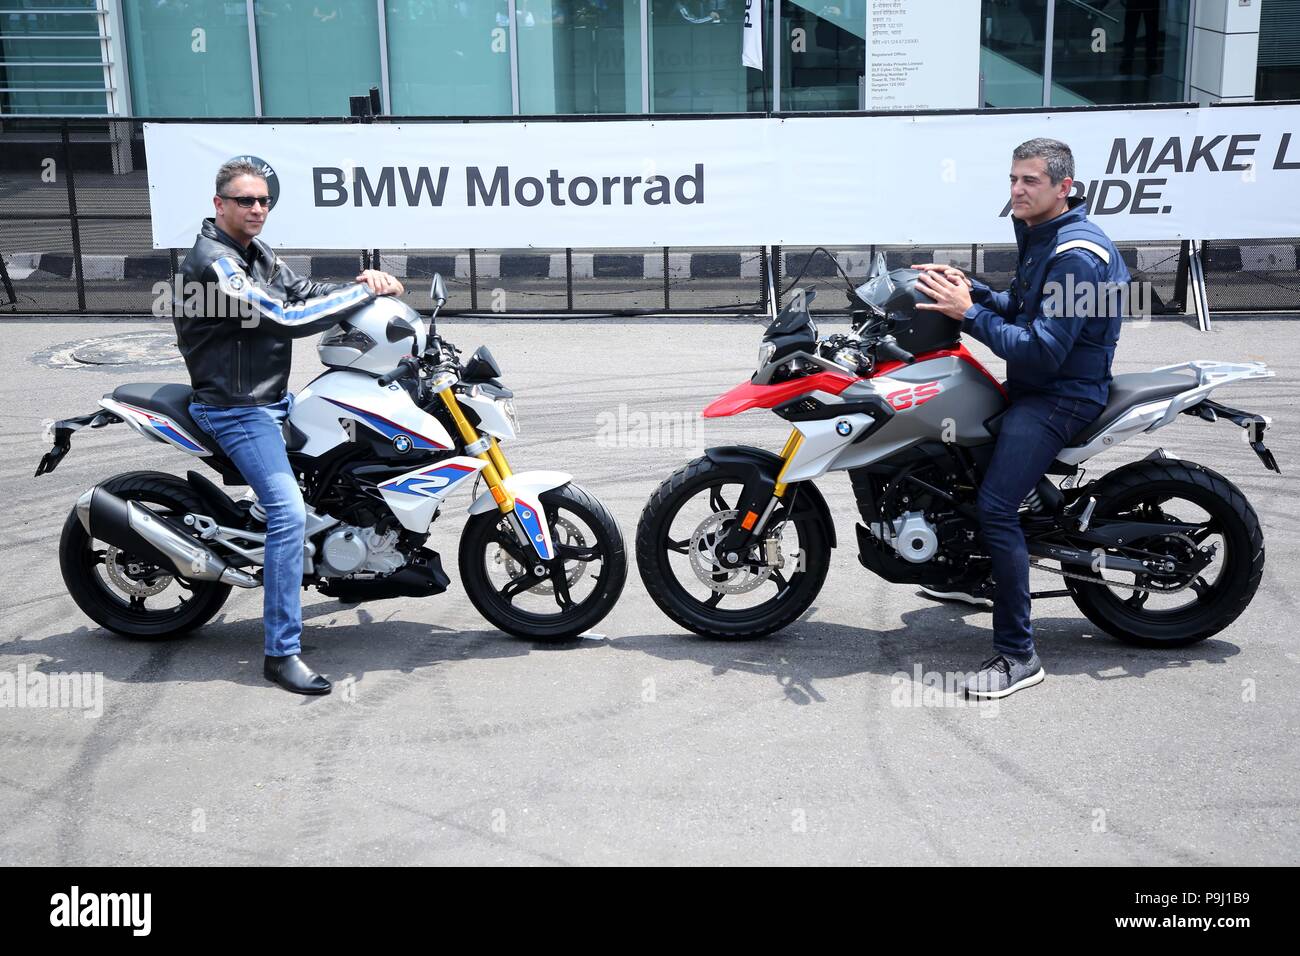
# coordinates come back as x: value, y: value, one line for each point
x: 60, y: 433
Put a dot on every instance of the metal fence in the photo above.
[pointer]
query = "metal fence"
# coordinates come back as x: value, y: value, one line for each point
x: 75, y: 239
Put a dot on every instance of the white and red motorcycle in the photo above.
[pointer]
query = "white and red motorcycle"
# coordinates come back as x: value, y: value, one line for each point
x: 379, y: 441
x: 737, y: 543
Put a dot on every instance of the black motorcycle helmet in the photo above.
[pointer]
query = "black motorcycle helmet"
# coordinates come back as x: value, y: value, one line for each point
x: 894, y: 295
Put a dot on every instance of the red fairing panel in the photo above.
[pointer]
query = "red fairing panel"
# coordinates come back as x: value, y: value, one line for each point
x: 748, y: 395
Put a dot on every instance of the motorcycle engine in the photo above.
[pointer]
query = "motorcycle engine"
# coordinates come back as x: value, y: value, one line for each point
x: 348, y: 549
x: 911, y: 535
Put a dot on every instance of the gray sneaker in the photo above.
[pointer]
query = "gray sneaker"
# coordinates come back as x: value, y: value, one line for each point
x: 1001, y: 676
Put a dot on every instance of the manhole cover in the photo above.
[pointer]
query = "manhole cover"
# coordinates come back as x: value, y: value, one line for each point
x: 128, y: 348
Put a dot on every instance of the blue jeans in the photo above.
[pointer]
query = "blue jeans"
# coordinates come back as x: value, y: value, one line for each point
x: 1033, y: 431
x: 251, y: 437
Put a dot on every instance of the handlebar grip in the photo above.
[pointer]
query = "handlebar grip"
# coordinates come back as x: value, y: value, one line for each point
x: 895, y: 351
x: 401, y: 371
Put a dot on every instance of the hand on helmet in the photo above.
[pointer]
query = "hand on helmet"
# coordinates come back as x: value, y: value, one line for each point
x: 951, y: 292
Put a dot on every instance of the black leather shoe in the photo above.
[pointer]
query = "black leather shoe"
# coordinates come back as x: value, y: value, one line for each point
x: 293, y: 674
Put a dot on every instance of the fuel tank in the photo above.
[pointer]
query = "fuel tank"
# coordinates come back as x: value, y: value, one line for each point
x: 946, y: 395
x: 342, y: 406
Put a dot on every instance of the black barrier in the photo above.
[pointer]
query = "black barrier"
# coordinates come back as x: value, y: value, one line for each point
x: 75, y: 238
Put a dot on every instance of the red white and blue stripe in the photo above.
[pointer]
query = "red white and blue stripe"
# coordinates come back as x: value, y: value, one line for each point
x: 389, y: 429
x: 431, y: 482
x: 530, y: 517
x: 165, y: 428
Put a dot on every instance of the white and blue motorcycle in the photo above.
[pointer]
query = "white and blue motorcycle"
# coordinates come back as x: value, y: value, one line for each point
x: 378, y: 441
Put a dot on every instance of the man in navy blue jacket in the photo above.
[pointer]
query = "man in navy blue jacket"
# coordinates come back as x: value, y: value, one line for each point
x: 1056, y: 327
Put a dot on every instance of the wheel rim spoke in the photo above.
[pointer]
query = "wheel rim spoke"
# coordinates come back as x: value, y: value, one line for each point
x: 681, y: 547
x: 1202, y: 588
x: 714, y: 598
x: 571, y: 552
x: 716, y: 501
x: 515, y: 586
x: 561, y: 582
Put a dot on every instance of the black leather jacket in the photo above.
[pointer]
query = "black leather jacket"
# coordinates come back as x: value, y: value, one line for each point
x: 240, y: 311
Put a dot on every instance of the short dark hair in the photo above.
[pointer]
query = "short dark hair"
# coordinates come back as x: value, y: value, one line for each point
x: 233, y: 170
x: 1055, y: 154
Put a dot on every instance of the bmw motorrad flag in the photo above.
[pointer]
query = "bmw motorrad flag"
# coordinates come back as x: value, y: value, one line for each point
x: 752, y: 50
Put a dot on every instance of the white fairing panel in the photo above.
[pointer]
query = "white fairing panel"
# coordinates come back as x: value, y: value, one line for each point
x: 823, y: 442
x: 416, y: 496
x: 491, y: 418
x: 157, y: 427
x: 355, y: 397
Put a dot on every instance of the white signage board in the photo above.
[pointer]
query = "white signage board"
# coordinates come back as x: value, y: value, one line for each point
x: 1149, y: 174
x: 923, y: 54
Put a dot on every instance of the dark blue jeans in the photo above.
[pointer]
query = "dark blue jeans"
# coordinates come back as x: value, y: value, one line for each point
x: 1033, y: 431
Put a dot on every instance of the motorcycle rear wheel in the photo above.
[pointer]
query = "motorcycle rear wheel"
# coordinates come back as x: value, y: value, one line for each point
x: 1148, y: 488
x: 115, y: 588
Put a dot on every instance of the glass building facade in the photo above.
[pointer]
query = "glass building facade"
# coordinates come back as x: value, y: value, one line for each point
x: 239, y: 58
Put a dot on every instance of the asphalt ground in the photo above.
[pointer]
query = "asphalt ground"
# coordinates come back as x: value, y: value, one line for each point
x: 459, y: 744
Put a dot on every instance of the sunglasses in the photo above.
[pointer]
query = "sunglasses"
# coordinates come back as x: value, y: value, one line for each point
x: 246, y: 202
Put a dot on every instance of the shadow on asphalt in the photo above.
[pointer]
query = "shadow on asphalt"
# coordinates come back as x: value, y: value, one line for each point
x: 943, y: 638
x: 213, y: 652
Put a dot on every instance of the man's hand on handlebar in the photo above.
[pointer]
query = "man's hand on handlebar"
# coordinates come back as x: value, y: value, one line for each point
x: 381, y: 283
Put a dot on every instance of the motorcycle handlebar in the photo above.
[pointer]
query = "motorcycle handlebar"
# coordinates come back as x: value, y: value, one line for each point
x: 891, y: 349
x: 404, y: 369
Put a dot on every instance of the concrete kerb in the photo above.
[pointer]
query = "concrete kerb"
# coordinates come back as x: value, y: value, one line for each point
x: 1147, y: 259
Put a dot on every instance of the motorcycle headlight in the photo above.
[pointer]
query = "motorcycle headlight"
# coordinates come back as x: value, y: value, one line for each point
x: 765, y: 353
x: 507, y: 407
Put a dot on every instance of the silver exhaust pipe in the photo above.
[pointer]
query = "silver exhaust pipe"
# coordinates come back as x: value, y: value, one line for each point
x: 132, y: 527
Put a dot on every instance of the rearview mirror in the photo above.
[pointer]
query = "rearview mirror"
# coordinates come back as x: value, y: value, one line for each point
x: 438, y: 290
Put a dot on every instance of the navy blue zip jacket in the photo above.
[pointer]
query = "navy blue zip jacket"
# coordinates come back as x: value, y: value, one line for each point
x: 1058, y: 324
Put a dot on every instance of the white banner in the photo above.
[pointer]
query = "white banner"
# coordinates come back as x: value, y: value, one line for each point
x: 751, y: 51
x: 1156, y: 174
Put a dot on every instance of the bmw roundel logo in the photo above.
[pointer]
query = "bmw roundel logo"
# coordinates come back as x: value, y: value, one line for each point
x: 843, y: 427
x: 402, y: 443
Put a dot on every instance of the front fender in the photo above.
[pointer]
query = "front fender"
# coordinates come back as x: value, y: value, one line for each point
x: 759, y: 468
x: 526, y: 488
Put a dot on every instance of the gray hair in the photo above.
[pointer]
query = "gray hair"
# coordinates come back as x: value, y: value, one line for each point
x: 233, y: 170
x: 1055, y: 154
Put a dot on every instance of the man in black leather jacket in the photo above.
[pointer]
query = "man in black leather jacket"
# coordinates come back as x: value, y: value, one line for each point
x: 237, y: 344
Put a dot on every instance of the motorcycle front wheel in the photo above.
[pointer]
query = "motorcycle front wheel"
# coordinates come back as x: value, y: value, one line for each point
x: 573, y: 592
x: 678, y: 534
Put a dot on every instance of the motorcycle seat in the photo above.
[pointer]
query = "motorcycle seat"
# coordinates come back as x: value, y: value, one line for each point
x: 1132, y: 389
x: 170, y: 400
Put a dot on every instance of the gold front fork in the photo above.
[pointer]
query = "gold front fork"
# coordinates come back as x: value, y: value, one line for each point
x: 496, y: 469
x: 792, y: 445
